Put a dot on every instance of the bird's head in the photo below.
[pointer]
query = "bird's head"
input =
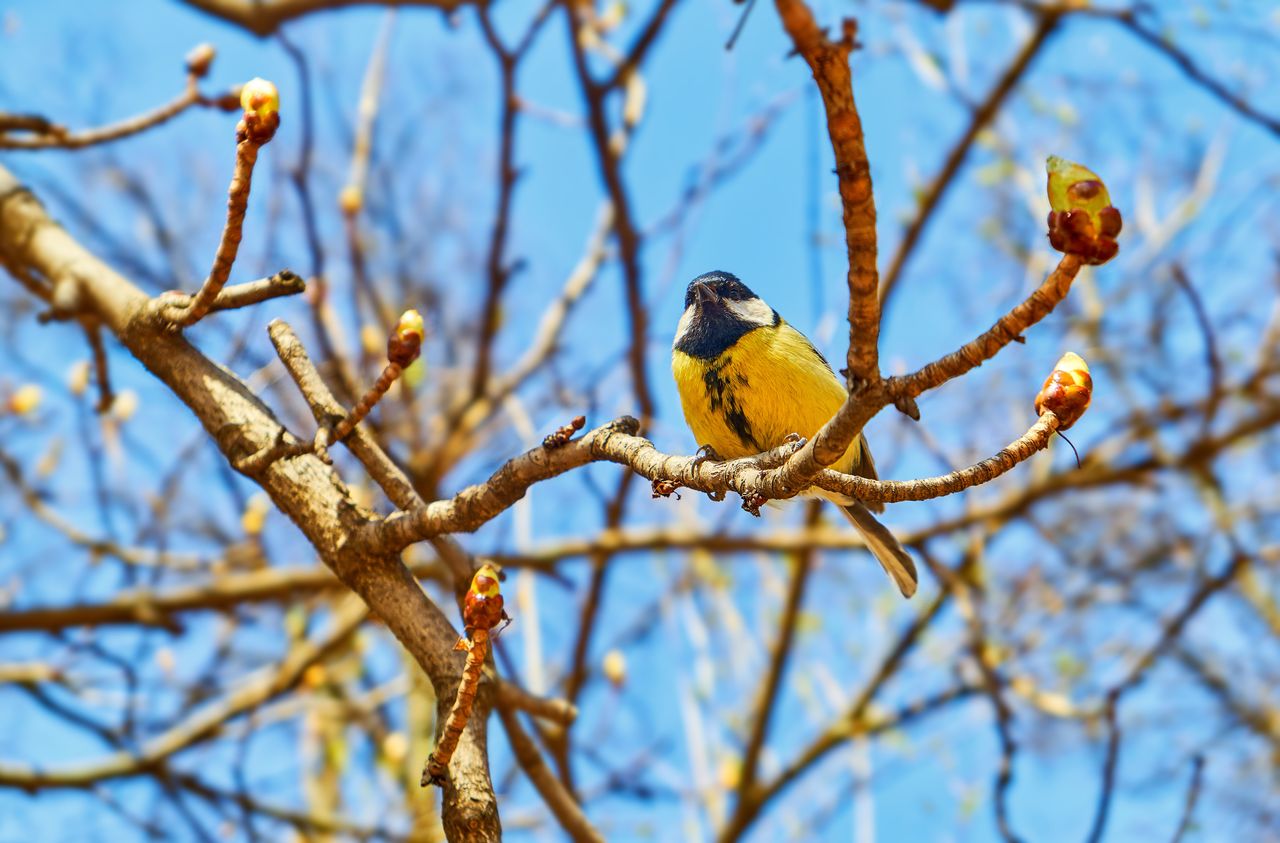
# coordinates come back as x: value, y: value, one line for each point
x: 718, y: 310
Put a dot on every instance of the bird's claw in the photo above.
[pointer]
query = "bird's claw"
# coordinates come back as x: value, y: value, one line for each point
x: 705, y: 453
x: 795, y: 439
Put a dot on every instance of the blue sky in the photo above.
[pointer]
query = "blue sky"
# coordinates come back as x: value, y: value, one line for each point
x: 1095, y: 95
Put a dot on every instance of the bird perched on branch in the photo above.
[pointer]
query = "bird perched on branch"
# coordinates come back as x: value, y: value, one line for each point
x: 748, y: 381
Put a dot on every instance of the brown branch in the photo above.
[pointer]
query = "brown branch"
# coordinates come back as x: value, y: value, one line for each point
x: 856, y: 722
x: 92, y: 544
x: 892, y: 491
x: 305, y: 489
x: 105, y: 396
x: 263, y: 19
x: 52, y: 136
x: 437, y: 769
x: 193, y: 309
x: 829, y: 61
x: 283, y: 283
x: 617, y: 442
x: 830, y: 443
x: 325, y: 407
x: 982, y: 115
x: 207, y: 722
x: 762, y: 708
x: 1162, y: 44
x: 1193, y: 796
x: 496, y: 268
x: 609, y: 149
x: 462, y: 421
x: 558, y: 799
x: 514, y: 697
x: 390, y: 373
x: 147, y: 607
x: 1008, y: 328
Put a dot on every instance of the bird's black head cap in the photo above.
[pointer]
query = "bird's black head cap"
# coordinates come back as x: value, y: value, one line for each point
x: 718, y: 318
x: 724, y: 284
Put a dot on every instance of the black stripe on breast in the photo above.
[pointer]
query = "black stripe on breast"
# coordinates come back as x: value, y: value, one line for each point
x: 723, y: 401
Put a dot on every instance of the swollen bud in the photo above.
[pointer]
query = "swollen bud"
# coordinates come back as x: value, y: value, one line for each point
x: 1067, y: 390
x: 25, y: 400
x: 260, y: 97
x: 482, y: 608
x: 200, y: 59
x: 1082, y: 221
x: 261, y: 103
x: 614, y: 668
x: 406, y: 340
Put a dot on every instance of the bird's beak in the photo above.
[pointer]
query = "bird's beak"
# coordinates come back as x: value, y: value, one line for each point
x: 704, y: 295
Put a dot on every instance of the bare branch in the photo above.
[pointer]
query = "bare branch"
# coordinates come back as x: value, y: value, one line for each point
x: 205, y: 723
x: 829, y: 61
x: 263, y: 19
x: 982, y: 116
x: 52, y: 136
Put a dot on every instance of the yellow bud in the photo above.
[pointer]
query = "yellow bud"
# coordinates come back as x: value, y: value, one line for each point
x: 730, y: 772
x: 125, y: 405
x: 78, y: 378
x: 371, y: 338
x: 260, y: 97
x: 254, y: 517
x: 1067, y: 391
x: 26, y: 400
x: 485, y: 582
x: 615, y: 668
x: 405, y: 341
x: 314, y: 676
x: 395, y: 746
x: 350, y: 200
x: 411, y: 323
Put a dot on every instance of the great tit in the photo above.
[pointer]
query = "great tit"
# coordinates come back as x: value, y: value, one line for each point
x: 748, y: 380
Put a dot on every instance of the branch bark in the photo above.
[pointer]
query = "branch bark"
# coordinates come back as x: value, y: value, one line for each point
x: 308, y: 491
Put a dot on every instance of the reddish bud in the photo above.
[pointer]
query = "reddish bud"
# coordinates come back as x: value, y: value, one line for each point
x: 406, y: 340
x: 1067, y: 391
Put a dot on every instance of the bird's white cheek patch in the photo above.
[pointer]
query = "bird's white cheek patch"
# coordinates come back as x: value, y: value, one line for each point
x: 752, y: 311
x: 682, y: 327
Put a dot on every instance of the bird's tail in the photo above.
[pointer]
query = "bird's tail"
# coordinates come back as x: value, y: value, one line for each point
x: 900, y: 567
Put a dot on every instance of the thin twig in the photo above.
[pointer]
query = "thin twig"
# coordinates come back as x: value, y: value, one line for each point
x: 982, y: 115
x: 194, y: 309
x: 283, y: 283
x: 561, y: 803
x: 1193, y: 796
x: 52, y: 136
x: 105, y: 396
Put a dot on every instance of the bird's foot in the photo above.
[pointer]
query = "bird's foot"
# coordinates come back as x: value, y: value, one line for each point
x: 705, y: 453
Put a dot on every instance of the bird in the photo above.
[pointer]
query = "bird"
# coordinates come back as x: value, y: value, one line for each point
x: 749, y: 382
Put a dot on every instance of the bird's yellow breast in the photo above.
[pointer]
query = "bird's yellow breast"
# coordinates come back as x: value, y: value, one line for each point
x: 767, y: 385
